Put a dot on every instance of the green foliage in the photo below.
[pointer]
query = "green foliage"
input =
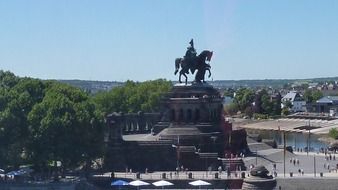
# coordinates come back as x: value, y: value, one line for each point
x: 316, y: 95
x: 287, y: 104
x: 311, y: 96
x: 265, y: 104
x: 285, y: 111
x: 229, y: 92
x: 231, y: 109
x: 16, y: 99
x: 333, y: 133
x: 244, y: 98
x: 45, y: 121
x: 132, y: 97
x: 260, y: 116
x: 7, y: 79
x: 64, y: 126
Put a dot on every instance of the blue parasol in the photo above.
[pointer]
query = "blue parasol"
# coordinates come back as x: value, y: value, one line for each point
x: 119, y: 183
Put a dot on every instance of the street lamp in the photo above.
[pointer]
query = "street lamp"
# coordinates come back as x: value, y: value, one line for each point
x: 284, y: 147
x: 177, y: 155
x: 284, y: 139
x: 177, y: 152
x: 314, y: 164
x: 308, y: 139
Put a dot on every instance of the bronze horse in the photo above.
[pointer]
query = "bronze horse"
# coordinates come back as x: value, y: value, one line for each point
x: 198, y: 63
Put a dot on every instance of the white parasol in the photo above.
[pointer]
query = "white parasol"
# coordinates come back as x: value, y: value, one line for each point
x: 138, y: 183
x: 162, y: 183
x: 199, y: 183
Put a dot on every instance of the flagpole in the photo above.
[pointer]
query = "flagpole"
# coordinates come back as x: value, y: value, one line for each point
x: 284, y: 150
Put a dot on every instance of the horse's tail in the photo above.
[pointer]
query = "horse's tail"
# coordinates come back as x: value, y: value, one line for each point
x: 177, y: 64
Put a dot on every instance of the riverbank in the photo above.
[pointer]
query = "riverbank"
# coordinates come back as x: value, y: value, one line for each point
x: 328, y: 140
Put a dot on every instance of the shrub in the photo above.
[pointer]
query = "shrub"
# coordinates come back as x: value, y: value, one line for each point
x: 333, y: 133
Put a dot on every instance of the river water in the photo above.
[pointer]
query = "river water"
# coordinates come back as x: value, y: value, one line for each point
x: 293, y: 139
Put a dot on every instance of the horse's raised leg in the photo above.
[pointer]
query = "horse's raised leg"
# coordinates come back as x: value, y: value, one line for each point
x: 186, y: 78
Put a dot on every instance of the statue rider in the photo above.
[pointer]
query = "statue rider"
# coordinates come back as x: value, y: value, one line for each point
x: 190, y: 55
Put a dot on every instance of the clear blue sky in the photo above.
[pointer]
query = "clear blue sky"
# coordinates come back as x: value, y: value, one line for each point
x: 139, y: 39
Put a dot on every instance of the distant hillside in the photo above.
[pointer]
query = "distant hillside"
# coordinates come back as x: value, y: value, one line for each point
x: 96, y: 86
x: 93, y: 86
x: 274, y: 83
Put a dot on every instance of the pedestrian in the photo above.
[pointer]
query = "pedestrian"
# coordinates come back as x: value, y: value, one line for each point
x: 325, y: 165
x: 294, y: 162
x: 251, y: 166
x: 220, y: 169
x: 334, y: 157
x: 297, y: 162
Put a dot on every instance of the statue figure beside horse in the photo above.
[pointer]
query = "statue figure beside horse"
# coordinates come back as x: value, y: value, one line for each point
x: 192, y: 64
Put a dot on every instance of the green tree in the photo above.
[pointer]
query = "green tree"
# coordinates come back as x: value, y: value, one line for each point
x: 244, y: 98
x: 308, y: 96
x: 64, y: 126
x: 229, y: 92
x: 311, y: 96
x: 276, y: 105
x: 267, y: 104
x: 285, y: 111
x: 7, y: 79
x: 17, y: 98
x: 316, y: 95
x: 333, y: 133
x: 133, y: 97
x: 287, y: 104
x: 231, y: 109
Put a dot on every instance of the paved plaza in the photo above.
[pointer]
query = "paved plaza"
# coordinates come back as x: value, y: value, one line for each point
x: 308, y: 166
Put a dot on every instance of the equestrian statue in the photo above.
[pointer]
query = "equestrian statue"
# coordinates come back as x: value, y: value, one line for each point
x: 191, y: 62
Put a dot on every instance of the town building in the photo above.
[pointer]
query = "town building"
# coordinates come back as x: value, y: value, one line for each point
x: 296, y: 100
x: 327, y: 104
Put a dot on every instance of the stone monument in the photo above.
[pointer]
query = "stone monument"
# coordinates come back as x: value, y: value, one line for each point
x: 190, y: 131
x: 191, y: 62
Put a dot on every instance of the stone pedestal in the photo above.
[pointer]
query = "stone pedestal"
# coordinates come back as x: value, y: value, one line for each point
x: 253, y: 183
x: 259, y: 180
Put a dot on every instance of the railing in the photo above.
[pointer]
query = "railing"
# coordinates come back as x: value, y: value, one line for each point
x: 207, y: 175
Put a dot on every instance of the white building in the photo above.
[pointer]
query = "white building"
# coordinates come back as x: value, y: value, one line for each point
x: 297, y: 101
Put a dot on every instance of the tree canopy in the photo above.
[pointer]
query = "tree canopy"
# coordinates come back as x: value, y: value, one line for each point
x: 132, y: 97
x: 311, y: 96
x: 47, y: 121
